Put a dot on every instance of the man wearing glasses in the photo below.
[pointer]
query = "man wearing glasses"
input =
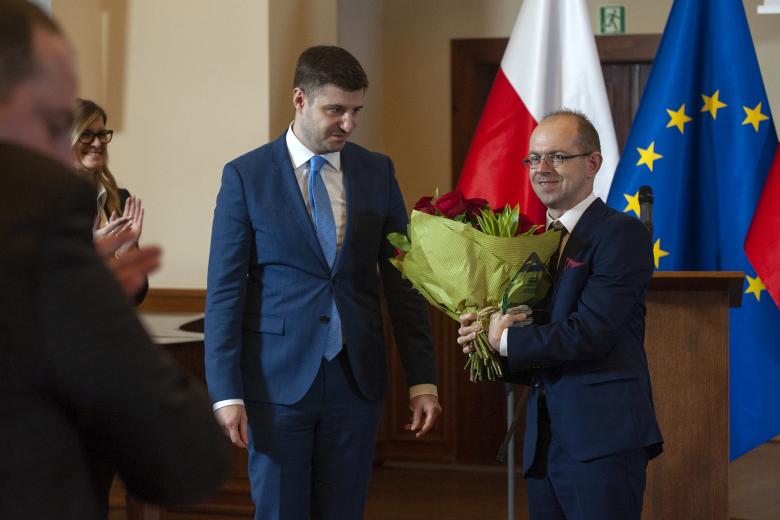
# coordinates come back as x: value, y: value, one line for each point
x: 590, y: 422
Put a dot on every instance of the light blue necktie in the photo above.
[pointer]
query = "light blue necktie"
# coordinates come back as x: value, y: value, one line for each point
x: 324, y: 223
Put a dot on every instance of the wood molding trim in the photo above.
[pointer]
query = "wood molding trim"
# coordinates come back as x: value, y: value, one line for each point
x: 174, y: 300
x: 628, y: 48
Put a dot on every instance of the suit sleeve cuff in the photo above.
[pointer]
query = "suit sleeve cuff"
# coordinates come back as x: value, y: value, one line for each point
x: 227, y: 402
x: 416, y: 390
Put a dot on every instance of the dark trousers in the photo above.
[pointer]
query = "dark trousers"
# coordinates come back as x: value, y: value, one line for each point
x: 314, y: 458
x: 562, y: 488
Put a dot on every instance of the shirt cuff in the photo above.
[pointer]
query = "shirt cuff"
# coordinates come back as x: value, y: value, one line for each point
x: 418, y: 390
x: 227, y: 402
x: 502, y: 348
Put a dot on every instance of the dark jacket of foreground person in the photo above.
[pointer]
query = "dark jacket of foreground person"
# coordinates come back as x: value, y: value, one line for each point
x: 81, y: 384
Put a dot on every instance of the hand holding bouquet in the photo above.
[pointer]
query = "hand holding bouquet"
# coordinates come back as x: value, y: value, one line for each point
x: 464, y: 257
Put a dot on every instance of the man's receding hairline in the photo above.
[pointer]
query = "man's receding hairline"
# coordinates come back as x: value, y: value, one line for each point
x: 580, y: 121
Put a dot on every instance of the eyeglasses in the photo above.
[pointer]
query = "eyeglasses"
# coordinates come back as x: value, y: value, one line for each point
x: 104, y: 136
x: 554, y: 159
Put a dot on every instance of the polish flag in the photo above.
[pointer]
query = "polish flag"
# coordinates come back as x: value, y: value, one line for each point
x: 550, y: 63
x: 762, y: 244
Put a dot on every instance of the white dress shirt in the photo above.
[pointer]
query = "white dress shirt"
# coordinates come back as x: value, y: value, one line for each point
x: 332, y: 175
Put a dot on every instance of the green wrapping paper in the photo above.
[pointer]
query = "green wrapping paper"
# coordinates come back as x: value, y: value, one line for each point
x: 459, y: 269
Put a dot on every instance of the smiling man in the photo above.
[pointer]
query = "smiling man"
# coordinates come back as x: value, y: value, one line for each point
x: 295, y: 352
x: 590, y: 423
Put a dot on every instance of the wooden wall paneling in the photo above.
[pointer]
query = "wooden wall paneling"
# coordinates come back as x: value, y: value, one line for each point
x: 395, y: 443
x: 174, y: 300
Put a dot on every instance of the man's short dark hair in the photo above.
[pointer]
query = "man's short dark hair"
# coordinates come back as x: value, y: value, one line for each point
x: 18, y: 20
x: 328, y: 65
x: 587, y: 135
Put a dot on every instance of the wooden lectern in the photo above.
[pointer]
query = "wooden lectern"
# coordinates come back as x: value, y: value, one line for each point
x: 687, y: 344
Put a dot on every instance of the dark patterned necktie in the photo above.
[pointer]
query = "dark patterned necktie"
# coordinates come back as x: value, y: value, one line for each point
x: 556, y: 257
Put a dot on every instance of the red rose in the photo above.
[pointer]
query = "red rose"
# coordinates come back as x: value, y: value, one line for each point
x: 474, y: 207
x: 451, y: 204
x: 524, y: 223
x: 424, y: 205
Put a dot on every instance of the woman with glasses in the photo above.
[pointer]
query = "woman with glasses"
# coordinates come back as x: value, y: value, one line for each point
x: 117, y: 210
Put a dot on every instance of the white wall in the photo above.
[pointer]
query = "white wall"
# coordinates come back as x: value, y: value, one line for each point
x: 186, y: 86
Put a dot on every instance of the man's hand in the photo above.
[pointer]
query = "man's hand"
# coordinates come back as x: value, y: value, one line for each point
x: 423, y: 405
x: 232, y: 419
x: 132, y: 268
x: 469, y: 328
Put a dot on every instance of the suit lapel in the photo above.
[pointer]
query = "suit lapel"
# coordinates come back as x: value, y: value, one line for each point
x: 578, y: 240
x: 285, y: 174
x: 350, y: 165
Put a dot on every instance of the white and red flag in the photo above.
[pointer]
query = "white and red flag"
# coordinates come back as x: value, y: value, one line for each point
x: 550, y: 63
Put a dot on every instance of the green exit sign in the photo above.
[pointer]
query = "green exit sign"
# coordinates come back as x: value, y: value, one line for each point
x: 612, y: 19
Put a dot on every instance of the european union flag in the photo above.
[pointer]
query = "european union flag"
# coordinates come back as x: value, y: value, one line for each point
x: 704, y: 139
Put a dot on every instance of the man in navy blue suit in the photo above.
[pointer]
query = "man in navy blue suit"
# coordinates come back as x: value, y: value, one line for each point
x: 295, y: 355
x: 590, y: 422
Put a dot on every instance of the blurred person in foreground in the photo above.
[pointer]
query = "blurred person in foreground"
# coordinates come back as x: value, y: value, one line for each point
x: 117, y: 210
x: 590, y: 422
x: 80, y: 381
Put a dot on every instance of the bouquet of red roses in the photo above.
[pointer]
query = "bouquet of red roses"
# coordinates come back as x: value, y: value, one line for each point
x: 464, y: 257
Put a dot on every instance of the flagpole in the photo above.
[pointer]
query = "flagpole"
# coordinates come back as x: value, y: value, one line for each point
x: 510, y: 459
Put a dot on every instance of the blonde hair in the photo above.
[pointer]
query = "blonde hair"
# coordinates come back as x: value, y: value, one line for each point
x: 88, y: 112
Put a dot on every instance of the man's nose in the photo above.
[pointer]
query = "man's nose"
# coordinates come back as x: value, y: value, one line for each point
x: 545, y: 165
x: 348, y: 122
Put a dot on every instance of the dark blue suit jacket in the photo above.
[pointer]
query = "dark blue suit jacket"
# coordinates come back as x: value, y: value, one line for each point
x: 270, y: 288
x: 589, y: 359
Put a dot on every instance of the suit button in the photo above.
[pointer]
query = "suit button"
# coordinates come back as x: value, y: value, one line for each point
x: 324, y: 319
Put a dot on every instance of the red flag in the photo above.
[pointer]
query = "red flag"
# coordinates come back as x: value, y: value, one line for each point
x: 550, y: 63
x: 762, y: 244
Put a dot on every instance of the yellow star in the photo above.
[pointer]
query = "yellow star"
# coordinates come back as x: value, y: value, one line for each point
x: 647, y: 156
x: 633, y: 203
x: 755, y: 286
x: 658, y: 253
x: 678, y: 118
x: 754, y: 116
x: 712, y: 104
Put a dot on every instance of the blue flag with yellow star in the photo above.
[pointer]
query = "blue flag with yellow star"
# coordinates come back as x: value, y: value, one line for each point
x: 703, y: 138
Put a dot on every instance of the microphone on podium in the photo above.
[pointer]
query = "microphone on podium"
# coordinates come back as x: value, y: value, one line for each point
x: 646, y: 208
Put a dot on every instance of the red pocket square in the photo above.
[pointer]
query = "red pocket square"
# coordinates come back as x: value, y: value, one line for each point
x: 572, y: 263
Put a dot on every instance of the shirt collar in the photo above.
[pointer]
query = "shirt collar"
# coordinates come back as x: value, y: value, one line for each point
x: 300, y: 154
x: 570, y: 218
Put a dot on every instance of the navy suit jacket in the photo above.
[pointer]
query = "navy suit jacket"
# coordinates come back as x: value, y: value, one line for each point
x: 589, y: 359
x: 270, y: 288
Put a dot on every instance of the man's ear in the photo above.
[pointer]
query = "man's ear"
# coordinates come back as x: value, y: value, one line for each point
x: 594, y: 163
x: 299, y: 98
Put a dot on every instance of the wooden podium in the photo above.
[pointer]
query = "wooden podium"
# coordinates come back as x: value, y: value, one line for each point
x: 687, y: 345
